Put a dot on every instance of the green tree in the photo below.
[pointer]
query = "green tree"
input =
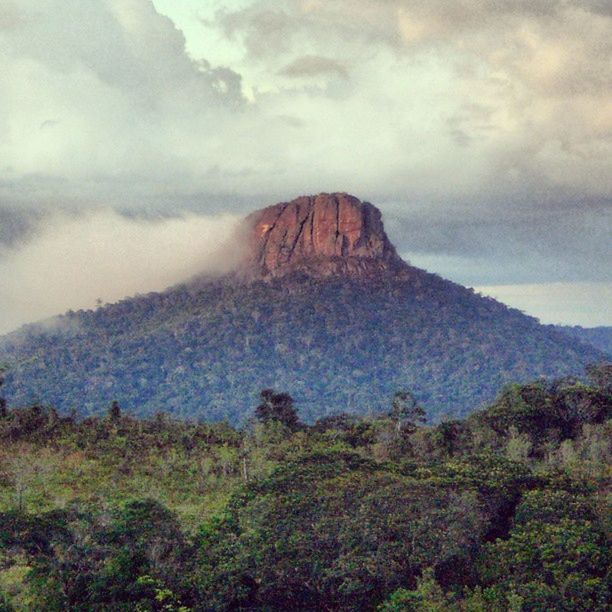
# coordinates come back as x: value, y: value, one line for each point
x: 600, y: 375
x: 331, y: 529
x: 5, y: 604
x: 427, y: 597
x: 447, y: 436
x: 134, y: 557
x: 277, y: 407
x: 406, y: 413
x: 559, y: 566
x: 114, y: 412
x: 3, y: 408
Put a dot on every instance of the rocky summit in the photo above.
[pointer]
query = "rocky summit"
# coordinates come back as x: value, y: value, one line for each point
x: 321, y: 235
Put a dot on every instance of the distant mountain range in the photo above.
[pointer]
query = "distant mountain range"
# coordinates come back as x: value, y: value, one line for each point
x: 321, y: 306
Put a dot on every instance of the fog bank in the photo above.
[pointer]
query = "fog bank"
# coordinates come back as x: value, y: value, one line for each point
x: 71, y: 261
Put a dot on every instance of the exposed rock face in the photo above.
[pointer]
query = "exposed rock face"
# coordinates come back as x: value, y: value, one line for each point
x: 320, y: 235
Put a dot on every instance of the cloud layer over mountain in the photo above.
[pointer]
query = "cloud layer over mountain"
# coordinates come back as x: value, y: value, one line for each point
x: 482, y: 128
x: 78, y: 261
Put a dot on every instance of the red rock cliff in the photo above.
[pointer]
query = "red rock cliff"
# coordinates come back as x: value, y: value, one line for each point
x: 319, y: 235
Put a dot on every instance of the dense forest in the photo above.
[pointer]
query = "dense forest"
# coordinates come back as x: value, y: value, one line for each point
x: 205, y: 349
x: 505, y: 510
x: 599, y: 337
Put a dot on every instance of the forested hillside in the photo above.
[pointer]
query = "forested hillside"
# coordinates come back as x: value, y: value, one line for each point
x: 599, y: 337
x: 505, y: 510
x: 205, y: 349
x: 319, y: 304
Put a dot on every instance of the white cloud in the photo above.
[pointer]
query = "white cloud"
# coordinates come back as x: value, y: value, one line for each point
x: 312, y: 66
x: 74, y: 260
x: 100, y: 94
x: 445, y: 112
x: 94, y: 92
x: 540, y: 71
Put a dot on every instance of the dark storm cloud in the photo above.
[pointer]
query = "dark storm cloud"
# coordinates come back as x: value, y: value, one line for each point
x: 563, y: 243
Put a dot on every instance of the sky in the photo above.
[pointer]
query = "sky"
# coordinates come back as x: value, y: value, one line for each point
x: 134, y: 134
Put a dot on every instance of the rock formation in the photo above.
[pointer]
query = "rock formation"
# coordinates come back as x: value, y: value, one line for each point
x: 322, y: 235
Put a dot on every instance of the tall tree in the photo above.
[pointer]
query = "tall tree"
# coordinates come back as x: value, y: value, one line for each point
x: 3, y: 410
x: 114, y: 411
x: 277, y: 407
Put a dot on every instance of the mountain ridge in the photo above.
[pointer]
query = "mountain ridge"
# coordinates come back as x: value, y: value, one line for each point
x: 332, y: 316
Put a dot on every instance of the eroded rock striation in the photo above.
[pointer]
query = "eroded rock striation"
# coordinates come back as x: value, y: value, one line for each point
x: 321, y: 235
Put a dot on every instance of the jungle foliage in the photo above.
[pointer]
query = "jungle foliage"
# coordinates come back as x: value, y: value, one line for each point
x: 505, y: 510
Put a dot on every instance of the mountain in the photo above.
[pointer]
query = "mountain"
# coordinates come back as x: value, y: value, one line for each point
x: 321, y: 306
x: 319, y: 236
x: 599, y: 337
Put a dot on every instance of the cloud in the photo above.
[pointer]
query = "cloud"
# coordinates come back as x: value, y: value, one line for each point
x: 9, y: 16
x: 263, y: 30
x: 117, y: 96
x: 483, y: 128
x: 129, y: 115
x: 313, y: 65
x: 72, y: 261
x: 533, y: 244
x: 528, y: 66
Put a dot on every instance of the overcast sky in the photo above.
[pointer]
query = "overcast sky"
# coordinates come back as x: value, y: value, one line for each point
x: 481, y: 128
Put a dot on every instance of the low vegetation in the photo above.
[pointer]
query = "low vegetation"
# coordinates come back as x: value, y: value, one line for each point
x: 505, y: 510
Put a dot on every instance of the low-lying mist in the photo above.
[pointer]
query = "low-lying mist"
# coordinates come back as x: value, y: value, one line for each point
x: 73, y: 260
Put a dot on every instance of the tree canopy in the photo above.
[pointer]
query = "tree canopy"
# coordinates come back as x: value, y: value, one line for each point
x: 505, y: 510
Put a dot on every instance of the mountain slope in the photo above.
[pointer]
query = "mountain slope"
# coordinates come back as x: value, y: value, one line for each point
x: 599, y: 337
x: 322, y: 307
